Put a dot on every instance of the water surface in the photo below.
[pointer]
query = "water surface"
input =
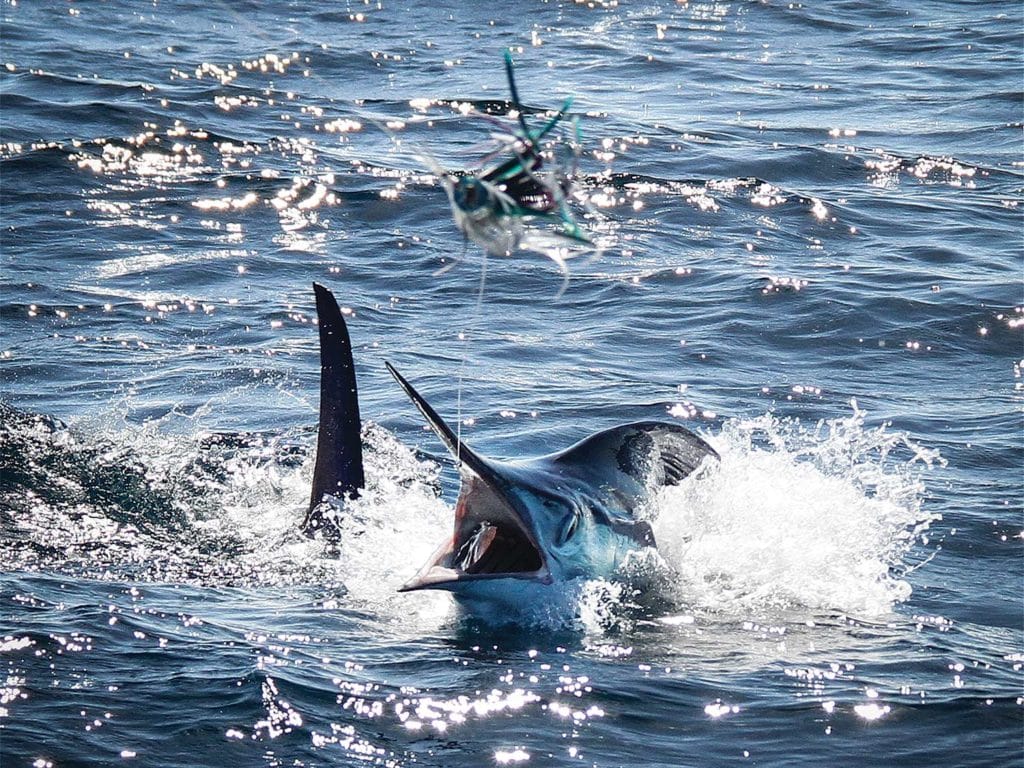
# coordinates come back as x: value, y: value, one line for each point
x: 813, y: 259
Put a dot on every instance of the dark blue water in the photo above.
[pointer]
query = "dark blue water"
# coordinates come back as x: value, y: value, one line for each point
x: 813, y: 257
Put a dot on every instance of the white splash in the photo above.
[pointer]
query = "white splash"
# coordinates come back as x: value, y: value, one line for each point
x: 816, y: 517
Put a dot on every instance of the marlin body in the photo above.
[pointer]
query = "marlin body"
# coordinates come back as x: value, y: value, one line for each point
x: 568, y: 515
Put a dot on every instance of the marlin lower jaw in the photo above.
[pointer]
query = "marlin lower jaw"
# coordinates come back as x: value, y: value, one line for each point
x: 487, y: 552
x: 436, y: 576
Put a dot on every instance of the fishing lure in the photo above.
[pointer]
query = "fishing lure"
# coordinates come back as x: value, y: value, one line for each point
x: 500, y: 207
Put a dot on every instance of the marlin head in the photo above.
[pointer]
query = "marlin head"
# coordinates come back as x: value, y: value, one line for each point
x: 555, y: 518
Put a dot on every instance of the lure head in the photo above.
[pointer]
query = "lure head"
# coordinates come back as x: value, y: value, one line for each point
x: 472, y: 194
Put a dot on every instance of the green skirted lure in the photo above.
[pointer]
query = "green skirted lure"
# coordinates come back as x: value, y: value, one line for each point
x: 494, y: 207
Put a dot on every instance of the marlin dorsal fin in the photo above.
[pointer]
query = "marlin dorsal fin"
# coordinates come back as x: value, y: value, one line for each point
x: 339, y: 449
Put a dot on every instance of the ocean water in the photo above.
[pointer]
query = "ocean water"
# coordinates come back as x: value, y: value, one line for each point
x: 812, y: 256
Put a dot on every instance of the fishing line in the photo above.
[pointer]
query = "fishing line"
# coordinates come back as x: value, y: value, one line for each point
x: 475, y: 323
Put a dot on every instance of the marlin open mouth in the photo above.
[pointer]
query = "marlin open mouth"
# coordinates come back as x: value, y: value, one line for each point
x: 490, y: 541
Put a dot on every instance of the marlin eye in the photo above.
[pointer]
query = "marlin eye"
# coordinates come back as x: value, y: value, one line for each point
x: 570, y: 527
x: 471, y: 194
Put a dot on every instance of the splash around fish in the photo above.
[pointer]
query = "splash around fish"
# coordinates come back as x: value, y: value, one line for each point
x: 767, y: 515
x: 549, y: 520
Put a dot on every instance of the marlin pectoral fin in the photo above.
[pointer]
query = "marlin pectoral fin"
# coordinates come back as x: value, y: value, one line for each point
x: 339, y: 449
x: 677, y: 452
x: 651, y: 453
